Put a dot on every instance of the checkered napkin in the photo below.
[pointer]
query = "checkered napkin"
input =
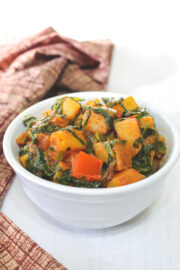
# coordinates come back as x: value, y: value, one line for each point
x: 39, y: 66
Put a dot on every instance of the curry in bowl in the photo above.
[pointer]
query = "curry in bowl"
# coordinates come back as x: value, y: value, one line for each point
x: 95, y: 144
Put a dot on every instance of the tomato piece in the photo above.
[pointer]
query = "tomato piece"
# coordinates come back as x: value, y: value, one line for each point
x: 88, y: 166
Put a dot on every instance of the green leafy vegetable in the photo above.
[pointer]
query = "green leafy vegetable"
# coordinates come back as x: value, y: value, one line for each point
x: 57, y: 106
x: 141, y: 162
x: 88, y: 113
x: 136, y: 143
x: 29, y: 120
x: 77, y: 98
x: 67, y: 179
x: 147, y: 132
x: 51, y: 149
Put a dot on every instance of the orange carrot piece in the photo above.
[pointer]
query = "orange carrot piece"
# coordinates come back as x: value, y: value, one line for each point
x: 88, y: 166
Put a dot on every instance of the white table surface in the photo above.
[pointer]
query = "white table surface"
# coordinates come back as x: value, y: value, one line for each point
x: 146, y: 63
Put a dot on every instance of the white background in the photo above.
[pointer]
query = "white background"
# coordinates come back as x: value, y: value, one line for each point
x: 146, y: 63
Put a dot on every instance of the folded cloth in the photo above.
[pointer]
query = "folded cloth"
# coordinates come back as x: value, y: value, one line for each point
x: 18, y: 251
x: 28, y: 71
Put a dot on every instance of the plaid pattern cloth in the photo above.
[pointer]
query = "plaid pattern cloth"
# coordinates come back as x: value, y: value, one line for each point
x: 28, y: 71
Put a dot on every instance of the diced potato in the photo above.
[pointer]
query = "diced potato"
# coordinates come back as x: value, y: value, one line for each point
x: 130, y: 104
x: 101, y: 152
x: 59, y: 121
x: 96, y: 123
x: 43, y: 141
x: 123, y: 156
x: 147, y: 122
x: 21, y: 140
x: 125, y: 177
x: 23, y: 159
x: 63, y: 141
x: 64, y: 165
x: 92, y: 102
x: 129, y: 131
x: 70, y: 108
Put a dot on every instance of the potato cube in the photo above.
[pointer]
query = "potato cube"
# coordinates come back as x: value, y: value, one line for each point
x: 63, y: 141
x: 123, y: 156
x: 23, y: 159
x: 95, y: 123
x: 70, y: 108
x: 59, y: 121
x: 125, y: 177
x: 92, y: 102
x: 130, y: 104
x: 147, y: 122
x: 101, y: 152
x: 129, y: 131
x: 21, y: 140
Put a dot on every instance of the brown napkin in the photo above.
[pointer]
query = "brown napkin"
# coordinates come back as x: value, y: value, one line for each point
x: 19, y: 252
x: 28, y: 71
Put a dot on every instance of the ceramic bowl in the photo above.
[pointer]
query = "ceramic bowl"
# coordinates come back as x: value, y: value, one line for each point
x: 84, y: 207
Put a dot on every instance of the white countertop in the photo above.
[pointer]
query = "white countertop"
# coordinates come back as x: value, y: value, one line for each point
x: 146, y: 63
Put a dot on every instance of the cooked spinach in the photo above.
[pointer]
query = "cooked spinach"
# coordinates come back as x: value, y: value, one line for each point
x: 141, y: 162
x: 39, y: 165
x: 109, y: 150
x: 67, y: 179
x: 161, y: 148
x: 109, y: 102
x: 23, y: 150
x: 137, y: 142
x: 147, y: 132
x: 77, y: 99
x: 88, y: 113
x: 57, y: 106
x: 29, y: 120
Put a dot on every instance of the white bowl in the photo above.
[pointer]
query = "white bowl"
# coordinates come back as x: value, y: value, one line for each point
x: 84, y: 207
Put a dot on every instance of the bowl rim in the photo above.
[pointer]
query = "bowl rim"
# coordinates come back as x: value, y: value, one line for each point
x: 7, y: 147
